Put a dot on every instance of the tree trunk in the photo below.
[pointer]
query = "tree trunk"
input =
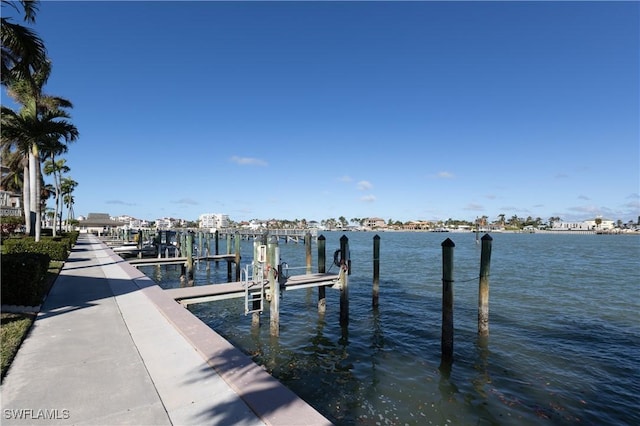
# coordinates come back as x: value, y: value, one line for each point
x: 34, y: 175
x: 25, y: 199
x: 33, y: 207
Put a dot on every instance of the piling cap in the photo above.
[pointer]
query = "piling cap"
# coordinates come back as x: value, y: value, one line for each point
x: 448, y: 243
x: 486, y: 237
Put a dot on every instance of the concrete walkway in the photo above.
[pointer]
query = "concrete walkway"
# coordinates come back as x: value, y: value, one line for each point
x: 110, y: 347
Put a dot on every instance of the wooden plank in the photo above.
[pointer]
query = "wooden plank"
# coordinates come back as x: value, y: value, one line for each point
x: 178, y: 260
x: 213, y: 292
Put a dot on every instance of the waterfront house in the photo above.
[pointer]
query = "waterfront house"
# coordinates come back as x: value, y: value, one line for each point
x: 98, y: 223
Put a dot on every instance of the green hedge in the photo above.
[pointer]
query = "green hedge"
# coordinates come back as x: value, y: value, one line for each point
x: 24, y: 278
x: 56, y: 250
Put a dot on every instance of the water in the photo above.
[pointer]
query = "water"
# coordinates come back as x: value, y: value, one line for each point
x: 564, y: 344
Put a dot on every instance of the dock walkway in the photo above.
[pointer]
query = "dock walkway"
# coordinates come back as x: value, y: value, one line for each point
x: 110, y: 347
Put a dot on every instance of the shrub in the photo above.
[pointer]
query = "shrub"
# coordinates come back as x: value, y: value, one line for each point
x: 9, y: 224
x: 56, y: 250
x: 24, y: 278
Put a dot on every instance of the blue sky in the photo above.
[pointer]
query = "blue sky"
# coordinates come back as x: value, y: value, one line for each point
x: 315, y: 110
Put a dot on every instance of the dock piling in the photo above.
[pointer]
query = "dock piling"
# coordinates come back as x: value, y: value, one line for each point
x: 376, y: 271
x: 483, y: 288
x: 447, y: 301
x: 345, y: 264
x: 307, y: 247
x: 322, y: 267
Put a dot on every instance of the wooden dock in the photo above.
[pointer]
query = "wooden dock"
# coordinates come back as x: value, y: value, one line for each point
x: 212, y: 292
x: 179, y: 260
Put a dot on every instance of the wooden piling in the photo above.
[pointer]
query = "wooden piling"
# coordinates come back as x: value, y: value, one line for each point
x: 237, y: 258
x: 483, y: 288
x: 447, y: 301
x: 229, y: 263
x: 376, y: 271
x: 189, y: 244
x: 217, y: 241
x: 273, y: 254
x: 322, y: 256
x: 345, y: 263
x: 307, y: 247
x: 208, y: 250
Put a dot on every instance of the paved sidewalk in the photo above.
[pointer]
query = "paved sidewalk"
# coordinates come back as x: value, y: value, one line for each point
x: 109, y: 347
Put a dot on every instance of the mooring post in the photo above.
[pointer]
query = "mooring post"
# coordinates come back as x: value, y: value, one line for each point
x: 140, y: 240
x: 307, y: 246
x: 483, y: 290
x: 229, y: 261
x: 345, y: 265
x: 237, y: 258
x: 376, y: 270
x: 273, y: 254
x: 208, y: 250
x: 189, y: 238
x: 447, y: 301
x: 200, y: 248
x: 322, y: 268
x: 216, y: 240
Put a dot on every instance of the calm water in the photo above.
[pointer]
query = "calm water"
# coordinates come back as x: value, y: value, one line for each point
x: 564, y: 345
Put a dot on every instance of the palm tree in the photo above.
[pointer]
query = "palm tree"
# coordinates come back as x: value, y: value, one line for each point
x: 39, y: 125
x: 56, y: 168
x: 22, y: 50
x: 67, y: 185
x: 12, y: 179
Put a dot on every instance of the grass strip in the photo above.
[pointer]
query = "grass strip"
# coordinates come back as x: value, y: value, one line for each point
x: 13, y: 330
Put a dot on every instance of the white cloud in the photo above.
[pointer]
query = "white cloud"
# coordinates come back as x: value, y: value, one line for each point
x: 187, y: 201
x: 474, y: 207
x: 345, y: 179
x: 120, y: 202
x: 248, y: 161
x: 365, y: 185
x: 368, y: 199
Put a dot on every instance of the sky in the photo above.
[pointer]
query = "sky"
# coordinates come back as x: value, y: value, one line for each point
x: 404, y: 111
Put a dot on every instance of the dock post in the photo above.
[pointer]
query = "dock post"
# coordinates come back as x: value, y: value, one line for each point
x: 345, y: 264
x: 447, y: 301
x: 217, y: 240
x: 208, y: 251
x: 140, y: 241
x: 307, y: 247
x: 376, y: 271
x: 189, y: 250
x: 483, y: 289
x: 200, y: 248
x: 237, y: 258
x: 322, y: 268
x: 273, y: 254
x: 229, y: 236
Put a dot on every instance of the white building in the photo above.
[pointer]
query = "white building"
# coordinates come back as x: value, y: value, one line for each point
x: 605, y: 224
x: 164, y: 223
x: 213, y: 221
x: 587, y: 225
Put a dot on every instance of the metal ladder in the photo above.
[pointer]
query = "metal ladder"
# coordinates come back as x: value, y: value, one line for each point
x: 253, y: 283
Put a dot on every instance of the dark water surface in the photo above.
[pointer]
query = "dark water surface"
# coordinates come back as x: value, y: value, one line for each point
x: 564, y: 344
